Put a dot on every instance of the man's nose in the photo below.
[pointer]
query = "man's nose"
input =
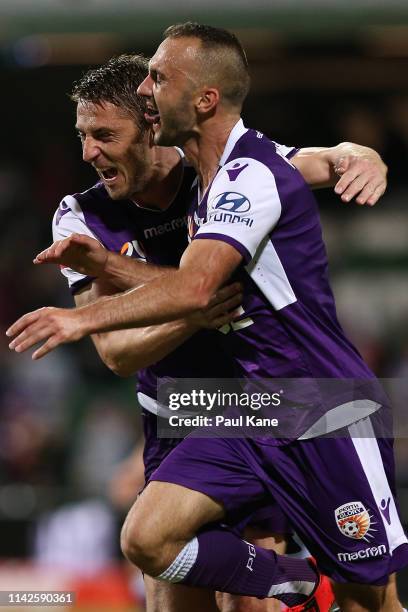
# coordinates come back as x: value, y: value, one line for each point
x: 90, y: 150
x: 145, y: 87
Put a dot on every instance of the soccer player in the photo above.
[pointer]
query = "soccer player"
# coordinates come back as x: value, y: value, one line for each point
x: 205, y: 118
x: 148, y: 223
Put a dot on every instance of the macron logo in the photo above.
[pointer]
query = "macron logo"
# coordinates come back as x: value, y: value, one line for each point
x: 385, y: 509
x: 63, y: 210
x: 170, y: 226
x: 364, y: 553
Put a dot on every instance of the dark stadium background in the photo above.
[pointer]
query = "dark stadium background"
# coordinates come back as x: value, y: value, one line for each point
x: 321, y: 75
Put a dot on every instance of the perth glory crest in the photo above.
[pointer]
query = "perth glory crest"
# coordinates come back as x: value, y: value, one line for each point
x: 354, y: 521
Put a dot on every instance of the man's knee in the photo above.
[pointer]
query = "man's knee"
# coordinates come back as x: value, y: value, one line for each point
x: 141, y: 545
x: 360, y: 597
x: 161, y: 521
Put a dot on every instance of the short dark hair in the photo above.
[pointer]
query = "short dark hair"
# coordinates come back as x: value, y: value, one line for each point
x: 115, y: 82
x: 225, y: 57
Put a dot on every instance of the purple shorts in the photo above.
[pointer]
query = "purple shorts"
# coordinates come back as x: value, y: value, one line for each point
x: 338, y: 493
x: 268, y: 517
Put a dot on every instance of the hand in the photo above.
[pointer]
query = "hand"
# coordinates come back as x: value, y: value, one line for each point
x: 363, y: 176
x: 221, y: 309
x: 79, y: 252
x: 54, y: 325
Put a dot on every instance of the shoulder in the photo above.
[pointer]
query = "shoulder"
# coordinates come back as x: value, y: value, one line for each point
x: 71, y: 213
x: 255, y: 145
x: 242, y: 176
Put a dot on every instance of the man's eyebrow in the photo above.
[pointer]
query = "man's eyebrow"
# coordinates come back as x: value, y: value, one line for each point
x: 100, y: 131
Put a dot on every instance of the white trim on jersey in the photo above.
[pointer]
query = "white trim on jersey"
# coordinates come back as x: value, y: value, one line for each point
x: 283, y: 150
x: 341, y: 416
x: 366, y: 445
x: 152, y: 405
x: 237, y: 131
x: 71, y: 222
x: 148, y: 403
x: 243, y: 204
x: 267, y: 271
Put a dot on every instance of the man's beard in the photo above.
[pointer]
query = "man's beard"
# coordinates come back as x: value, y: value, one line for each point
x: 173, y: 132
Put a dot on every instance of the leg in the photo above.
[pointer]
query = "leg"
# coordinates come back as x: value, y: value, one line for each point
x: 363, y: 598
x: 165, y: 597
x: 161, y: 522
x: 350, y: 524
x: 391, y: 594
x: 159, y: 531
x: 234, y: 603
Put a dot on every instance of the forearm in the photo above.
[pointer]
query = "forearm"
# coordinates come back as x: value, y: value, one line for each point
x: 127, y: 351
x: 167, y: 298
x: 319, y: 165
x: 127, y: 272
x: 316, y: 166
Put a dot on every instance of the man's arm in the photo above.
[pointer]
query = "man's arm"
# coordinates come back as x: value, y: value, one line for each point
x: 363, y: 174
x: 205, y: 266
x: 88, y: 257
x: 129, y: 350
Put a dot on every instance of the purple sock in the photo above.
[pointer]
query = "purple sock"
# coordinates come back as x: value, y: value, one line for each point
x: 220, y: 560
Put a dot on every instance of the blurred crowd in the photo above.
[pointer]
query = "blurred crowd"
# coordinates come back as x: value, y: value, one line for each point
x: 66, y: 422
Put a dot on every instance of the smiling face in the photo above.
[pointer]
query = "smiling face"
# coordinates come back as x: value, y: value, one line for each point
x: 115, y: 146
x: 173, y: 89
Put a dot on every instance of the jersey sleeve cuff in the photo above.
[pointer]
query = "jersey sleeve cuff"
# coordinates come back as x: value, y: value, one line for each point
x: 81, y: 283
x: 224, y: 238
x: 293, y: 152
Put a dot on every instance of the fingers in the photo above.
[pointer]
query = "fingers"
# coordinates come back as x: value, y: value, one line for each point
x: 52, y: 326
x: 225, y: 318
x: 23, y: 322
x: 342, y: 165
x: 370, y: 194
x: 354, y: 187
x: 363, y: 179
x: 46, y: 348
x: 224, y: 293
x: 31, y: 335
x: 376, y: 195
x: 225, y: 307
x: 55, y: 252
x: 46, y: 255
x: 346, y: 179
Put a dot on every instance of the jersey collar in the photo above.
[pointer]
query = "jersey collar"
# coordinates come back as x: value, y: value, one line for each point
x: 237, y: 131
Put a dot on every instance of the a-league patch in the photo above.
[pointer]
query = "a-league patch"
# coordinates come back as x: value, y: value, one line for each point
x: 354, y: 521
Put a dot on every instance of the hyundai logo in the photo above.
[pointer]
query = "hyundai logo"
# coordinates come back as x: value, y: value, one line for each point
x: 233, y: 202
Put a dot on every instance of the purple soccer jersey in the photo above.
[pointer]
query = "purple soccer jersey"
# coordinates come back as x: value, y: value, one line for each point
x: 158, y: 237
x: 151, y: 235
x: 259, y: 203
x: 336, y: 491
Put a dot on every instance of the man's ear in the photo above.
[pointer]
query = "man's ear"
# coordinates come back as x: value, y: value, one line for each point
x: 208, y: 101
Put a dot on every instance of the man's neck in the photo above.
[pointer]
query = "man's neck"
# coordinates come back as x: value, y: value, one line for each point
x: 204, y: 151
x: 164, y: 181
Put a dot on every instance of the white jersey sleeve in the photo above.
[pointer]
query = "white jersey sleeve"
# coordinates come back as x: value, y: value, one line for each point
x: 243, y: 206
x: 69, y: 219
x: 284, y: 151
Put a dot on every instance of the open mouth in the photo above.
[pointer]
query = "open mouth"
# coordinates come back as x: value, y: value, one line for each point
x: 108, y: 174
x: 152, y: 115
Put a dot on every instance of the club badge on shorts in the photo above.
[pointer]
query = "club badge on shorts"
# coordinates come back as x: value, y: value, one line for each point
x: 354, y: 521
